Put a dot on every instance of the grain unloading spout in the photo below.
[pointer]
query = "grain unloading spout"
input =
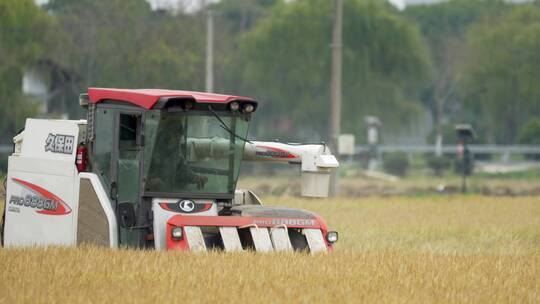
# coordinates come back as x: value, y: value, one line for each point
x: 316, y: 162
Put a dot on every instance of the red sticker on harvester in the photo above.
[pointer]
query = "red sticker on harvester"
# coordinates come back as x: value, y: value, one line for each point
x: 274, y: 152
x: 44, y: 201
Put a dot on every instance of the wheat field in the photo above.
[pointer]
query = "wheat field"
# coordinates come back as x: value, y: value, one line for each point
x: 449, y: 249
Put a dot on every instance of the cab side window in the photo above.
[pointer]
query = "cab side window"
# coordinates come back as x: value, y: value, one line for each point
x: 103, y: 144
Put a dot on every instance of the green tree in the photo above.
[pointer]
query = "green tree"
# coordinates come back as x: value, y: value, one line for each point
x: 285, y: 62
x: 115, y: 43
x: 24, y: 28
x: 530, y: 132
x: 443, y: 26
x: 502, y: 69
x: 242, y: 15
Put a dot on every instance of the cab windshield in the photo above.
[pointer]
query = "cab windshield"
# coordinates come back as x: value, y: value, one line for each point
x: 193, y: 153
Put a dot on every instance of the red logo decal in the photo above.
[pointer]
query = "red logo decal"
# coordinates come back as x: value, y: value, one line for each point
x: 274, y: 153
x: 47, y: 202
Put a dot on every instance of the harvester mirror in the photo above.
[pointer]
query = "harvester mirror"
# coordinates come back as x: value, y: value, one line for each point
x: 126, y: 215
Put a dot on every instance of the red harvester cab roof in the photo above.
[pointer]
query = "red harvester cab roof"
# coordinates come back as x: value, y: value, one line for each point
x: 147, y: 98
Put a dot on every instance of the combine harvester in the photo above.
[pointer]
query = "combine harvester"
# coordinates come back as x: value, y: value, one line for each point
x: 156, y: 169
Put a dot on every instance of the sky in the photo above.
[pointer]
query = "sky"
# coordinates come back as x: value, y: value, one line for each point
x: 188, y: 5
x: 400, y: 4
x: 192, y: 5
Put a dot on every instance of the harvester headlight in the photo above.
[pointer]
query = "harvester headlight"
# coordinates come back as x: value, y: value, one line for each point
x: 332, y: 237
x: 177, y: 233
x: 248, y: 108
x: 234, y: 106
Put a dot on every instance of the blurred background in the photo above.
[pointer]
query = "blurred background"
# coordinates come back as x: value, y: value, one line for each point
x: 415, y: 74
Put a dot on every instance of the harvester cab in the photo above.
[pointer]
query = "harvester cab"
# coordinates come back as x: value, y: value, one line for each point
x: 157, y: 169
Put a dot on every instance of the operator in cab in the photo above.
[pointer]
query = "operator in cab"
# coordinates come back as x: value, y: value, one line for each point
x: 169, y: 168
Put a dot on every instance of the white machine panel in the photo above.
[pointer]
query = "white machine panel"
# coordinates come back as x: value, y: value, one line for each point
x: 315, y: 240
x: 231, y: 239
x: 42, y: 185
x: 195, y: 238
x: 280, y: 239
x: 50, y: 139
x: 40, y: 206
x: 164, y: 209
x: 261, y: 239
x: 105, y: 205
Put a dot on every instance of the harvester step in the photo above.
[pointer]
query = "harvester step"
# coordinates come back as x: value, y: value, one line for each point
x: 261, y: 239
x: 195, y: 238
x: 280, y: 239
x: 231, y: 239
x: 315, y: 240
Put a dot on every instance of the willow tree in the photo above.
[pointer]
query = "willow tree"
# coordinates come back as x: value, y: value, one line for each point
x: 502, y: 72
x: 24, y: 29
x: 125, y: 44
x: 285, y: 61
x: 444, y: 26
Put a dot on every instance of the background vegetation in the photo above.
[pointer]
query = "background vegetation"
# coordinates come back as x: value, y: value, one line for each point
x: 459, y: 61
x: 24, y: 29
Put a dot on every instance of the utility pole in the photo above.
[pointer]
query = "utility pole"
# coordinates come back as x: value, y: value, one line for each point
x: 335, y: 122
x: 439, y: 138
x: 209, y: 87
